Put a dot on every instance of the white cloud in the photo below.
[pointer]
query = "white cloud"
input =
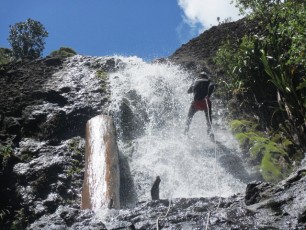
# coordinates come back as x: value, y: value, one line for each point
x: 202, y: 14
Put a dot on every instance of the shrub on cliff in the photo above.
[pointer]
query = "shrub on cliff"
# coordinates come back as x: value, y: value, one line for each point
x: 27, y: 39
x: 5, y: 55
x: 63, y: 52
x: 267, y: 70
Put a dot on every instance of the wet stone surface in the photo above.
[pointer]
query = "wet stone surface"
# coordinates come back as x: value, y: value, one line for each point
x: 44, y: 104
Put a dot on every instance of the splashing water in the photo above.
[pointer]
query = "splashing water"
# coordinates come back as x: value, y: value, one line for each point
x: 101, y: 187
x: 150, y: 105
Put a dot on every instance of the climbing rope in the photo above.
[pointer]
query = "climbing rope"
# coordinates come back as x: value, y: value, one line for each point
x: 215, y: 171
x: 215, y: 165
x: 164, y: 216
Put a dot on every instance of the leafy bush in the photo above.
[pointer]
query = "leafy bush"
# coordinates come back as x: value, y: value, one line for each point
x: 5, y: 153
x: 270, y: 66
x: 269, y: 152
x: 5, y: 55
x: 63, y: 52
x: 27, y: 39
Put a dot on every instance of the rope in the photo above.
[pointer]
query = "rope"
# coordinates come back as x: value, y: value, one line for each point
x: 215, y: 148
x: 164, y: 216
x: 215, y: 166
x: 207, y: 222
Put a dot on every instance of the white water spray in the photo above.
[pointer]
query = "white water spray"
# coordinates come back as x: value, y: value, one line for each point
x: 101, y: 181
x: 156, y: 95
x: 149, y: 103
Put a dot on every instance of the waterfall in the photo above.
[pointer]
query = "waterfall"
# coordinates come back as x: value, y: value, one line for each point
x: 149, y: 103
x: 101, y: 180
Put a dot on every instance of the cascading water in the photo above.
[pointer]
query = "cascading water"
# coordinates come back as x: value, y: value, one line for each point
x: 101, y: 180
x: 150, y: 103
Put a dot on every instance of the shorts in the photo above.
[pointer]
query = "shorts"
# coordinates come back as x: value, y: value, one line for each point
x: 202, y: 105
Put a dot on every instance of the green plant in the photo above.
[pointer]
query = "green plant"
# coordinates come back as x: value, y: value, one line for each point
x: 20, y: 220
x: 74, y: 169
x: 76, y: 164
x: 239, y: 60
x: 3, y: 213
x: 27, y: 39
x: 270, y: 152
x: 74, y: 146
x: 6, y: 151
x: 5, y: 55
x: 63, y: 52
x: 103, y: 76
x: 268, y: 69
x: 283, y: 56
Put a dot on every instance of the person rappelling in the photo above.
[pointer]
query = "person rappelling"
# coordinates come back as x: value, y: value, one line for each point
x: 202, y: 89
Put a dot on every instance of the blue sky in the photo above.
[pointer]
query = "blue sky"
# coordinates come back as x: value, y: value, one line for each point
x: 145, y: 28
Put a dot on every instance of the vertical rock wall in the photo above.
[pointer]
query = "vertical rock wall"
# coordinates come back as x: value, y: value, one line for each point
x: 102, y: 177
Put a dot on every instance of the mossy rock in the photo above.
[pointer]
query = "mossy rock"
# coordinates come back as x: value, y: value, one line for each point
x: 103, y: 76
x: 5, y: 55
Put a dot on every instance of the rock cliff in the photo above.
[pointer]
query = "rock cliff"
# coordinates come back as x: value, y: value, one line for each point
x: 44, y: 110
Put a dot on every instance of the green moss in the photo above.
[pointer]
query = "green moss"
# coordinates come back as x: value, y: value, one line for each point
x: 78, y: 153
x: 4, y: 213
x: 5, y: 55
x: 6, y: 151
x: 71, y: 171
x: 103, y: 76
x: 73, y: 146
x: 20, y: 220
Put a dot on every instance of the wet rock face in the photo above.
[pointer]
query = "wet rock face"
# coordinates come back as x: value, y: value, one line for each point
x: 45, y: 105
x: 277, y: 207
x: 197, y: 54
x: 44, y: 177
x: 51, y: 98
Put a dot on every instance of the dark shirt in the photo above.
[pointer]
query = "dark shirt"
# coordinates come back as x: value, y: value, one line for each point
x: 201, y: 88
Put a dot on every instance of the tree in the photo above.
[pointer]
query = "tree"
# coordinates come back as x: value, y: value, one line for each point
x: 255, y: 6
x: 27, y: 39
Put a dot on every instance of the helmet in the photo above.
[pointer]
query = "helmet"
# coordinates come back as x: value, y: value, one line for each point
x: 204, y: 74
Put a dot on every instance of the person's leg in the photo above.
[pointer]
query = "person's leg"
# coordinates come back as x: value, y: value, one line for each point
x: 190, y: 115
x: 208, y: 121
x: 209, y: 110
x: 208, y: 115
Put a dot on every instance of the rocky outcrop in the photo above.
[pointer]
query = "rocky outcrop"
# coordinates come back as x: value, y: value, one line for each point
x: 197, y: 54
x: 275, y: 207
x: 101, y: 186
x: 45, y: 105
